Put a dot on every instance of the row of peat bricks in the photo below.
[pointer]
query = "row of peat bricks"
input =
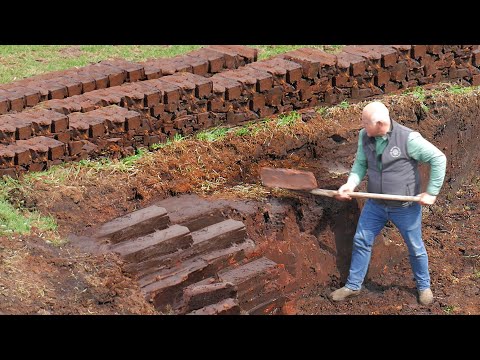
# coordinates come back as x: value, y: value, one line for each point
x: 113, y: 107
x: 80, y: 113
x: 201, y: 264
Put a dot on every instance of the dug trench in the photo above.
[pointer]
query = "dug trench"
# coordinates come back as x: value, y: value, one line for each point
x: 280, y: 252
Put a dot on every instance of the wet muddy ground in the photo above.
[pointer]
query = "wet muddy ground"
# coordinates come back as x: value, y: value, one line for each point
x: 311, y: 235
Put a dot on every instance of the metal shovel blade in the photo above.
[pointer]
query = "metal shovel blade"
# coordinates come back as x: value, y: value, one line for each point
x: 288, y: 178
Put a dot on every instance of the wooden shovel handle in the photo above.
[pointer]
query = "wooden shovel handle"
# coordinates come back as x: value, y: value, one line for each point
x: 357, y: 194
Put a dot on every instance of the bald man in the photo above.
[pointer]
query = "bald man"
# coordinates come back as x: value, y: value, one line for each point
x: 389, y: 153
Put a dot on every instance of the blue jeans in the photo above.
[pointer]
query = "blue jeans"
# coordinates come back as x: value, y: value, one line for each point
x: 373, y: 218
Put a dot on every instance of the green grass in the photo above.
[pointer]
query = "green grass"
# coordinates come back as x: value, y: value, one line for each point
x: 14, y: 218
x: 245, y: 130
x: 344, y: 104
x: 418, y: 93
x: 176, y: 138
x: 57, y: 174
x: 15, y: 221
x: 21, y: 61
x: 323, y: 111
x: 458, y: 89
x: 213, y: 134
x: 251, y: 128
x: 266, y: 51
x: 448, y: 309
x: 288, y: 119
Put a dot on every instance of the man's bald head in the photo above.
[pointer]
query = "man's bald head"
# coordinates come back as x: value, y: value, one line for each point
x: 376, y: 112
x: 376, y: 119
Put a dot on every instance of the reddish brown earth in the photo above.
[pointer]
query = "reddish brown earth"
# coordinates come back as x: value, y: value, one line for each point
x: 310, y: 235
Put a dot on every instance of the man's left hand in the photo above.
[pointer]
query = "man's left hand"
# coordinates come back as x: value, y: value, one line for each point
x: 427, y: 199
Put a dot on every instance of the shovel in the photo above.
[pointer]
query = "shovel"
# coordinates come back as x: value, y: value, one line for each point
x: 305, y: 180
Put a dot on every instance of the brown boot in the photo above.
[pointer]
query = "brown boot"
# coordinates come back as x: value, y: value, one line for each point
x: 343, y: 293
x: 425, y: 297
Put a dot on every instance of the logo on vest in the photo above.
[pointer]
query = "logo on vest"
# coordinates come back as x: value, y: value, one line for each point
x: 395, y: 152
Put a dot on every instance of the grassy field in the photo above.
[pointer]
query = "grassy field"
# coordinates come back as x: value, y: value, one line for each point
x: 20, y: 61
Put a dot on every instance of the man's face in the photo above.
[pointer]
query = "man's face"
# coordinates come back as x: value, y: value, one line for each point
x: 370, y: 127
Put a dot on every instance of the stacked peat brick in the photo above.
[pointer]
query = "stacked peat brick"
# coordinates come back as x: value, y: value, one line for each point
x: 29, y: 92
x: 120, y: 105
x: 75, y: 114
x: 361, y: 72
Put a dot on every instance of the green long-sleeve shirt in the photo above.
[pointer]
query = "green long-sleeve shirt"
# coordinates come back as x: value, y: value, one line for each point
x: 418, y: 149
